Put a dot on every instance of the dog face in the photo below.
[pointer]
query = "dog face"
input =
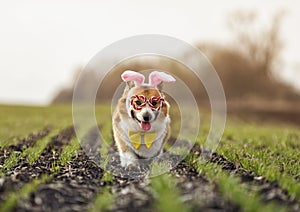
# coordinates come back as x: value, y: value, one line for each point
x: 146, y: 105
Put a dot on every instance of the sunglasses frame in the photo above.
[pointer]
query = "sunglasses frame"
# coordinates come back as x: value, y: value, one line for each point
x: 145, y: 101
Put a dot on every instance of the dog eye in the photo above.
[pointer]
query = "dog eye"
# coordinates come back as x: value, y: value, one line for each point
x: 138, y: 102
x: 154, y: 103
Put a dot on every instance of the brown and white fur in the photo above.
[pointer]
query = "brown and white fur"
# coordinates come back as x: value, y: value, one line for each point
x: 126, y: 118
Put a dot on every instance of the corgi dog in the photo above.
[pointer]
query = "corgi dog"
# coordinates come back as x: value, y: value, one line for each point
x: 141, y: 122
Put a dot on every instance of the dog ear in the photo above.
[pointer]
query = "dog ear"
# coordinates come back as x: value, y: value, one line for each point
x: 128, y: 86
x: 156, y: 78
x: 160, y: 86
x: 136, y: 77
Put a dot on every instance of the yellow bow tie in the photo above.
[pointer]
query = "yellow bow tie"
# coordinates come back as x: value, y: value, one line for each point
x: 137, y: 138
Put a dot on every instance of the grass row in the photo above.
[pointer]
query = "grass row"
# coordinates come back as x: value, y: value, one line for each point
x: 163, y: 188
x: 9, y: 162
x: 67, y: 154
x: 243, y: 195
x: 14, y: 197
x: 31, y: 155
x: 267, y: 151
x: 103, y: 200
x: 166, y: 194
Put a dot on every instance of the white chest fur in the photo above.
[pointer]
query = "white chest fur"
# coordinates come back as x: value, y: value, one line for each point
x: 160, y: 128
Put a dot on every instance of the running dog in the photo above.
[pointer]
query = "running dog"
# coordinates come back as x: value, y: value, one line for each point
x: 141, y: 122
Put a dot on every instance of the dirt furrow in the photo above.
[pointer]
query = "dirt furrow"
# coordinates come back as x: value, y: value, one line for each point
x: 69, y: 190
x: 195, y: 190
x: 131, y: 195
x: 24, y: 172
x: 198, y: 193
x: 75, y: 187
x: 22, y: 144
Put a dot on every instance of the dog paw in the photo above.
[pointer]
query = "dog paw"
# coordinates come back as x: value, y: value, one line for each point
x: 128, y: 159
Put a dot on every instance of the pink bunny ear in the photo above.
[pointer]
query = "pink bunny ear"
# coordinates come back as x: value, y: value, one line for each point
x: 133, y: 76
x: 157, y: 77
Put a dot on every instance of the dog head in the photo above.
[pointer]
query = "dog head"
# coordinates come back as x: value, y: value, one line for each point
x: 144, y: 102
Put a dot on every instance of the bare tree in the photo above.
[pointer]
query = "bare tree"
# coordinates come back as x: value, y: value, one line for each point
x: 261, y: 43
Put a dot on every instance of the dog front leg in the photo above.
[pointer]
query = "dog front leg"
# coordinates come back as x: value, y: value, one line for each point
x: 128, y: 158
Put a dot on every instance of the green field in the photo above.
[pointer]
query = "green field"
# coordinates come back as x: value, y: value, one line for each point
x: 256, y: 168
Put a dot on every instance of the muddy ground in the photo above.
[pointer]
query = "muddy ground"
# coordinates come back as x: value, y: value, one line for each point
x: 76, y: 185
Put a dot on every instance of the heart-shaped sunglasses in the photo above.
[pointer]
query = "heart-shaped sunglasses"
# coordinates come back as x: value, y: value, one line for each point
x: 140, y: 101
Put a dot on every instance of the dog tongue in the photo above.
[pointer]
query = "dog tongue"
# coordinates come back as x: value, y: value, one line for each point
x: 146, y: 125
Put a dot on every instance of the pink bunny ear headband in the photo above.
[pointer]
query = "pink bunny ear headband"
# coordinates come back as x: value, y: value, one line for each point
x: 155, y: 78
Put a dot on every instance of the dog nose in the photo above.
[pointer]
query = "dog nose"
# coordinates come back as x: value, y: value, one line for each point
x: 147, y: 117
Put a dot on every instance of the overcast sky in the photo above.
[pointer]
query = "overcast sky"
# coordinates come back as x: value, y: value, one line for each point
x: 42, y: 42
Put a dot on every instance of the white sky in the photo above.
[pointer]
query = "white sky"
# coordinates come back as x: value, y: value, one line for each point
x: 42, y: 42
